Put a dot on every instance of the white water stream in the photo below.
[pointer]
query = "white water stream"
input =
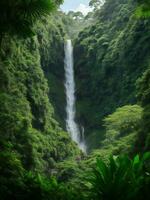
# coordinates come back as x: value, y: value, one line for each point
x: 71, y: 125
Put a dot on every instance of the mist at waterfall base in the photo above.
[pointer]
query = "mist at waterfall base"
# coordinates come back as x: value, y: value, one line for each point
x: 71, y: 125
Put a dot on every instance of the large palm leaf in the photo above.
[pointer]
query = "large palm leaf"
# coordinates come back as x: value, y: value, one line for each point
x: 121, y: 179
x: 19, y: 16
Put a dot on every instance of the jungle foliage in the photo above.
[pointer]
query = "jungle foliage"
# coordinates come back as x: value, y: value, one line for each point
x: 110, y: 56
x: 27, y: 119
x: 121, y: 179
x: 38, y: 159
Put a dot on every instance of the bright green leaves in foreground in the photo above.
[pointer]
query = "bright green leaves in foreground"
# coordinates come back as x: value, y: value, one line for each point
x: 122, y: 178
x: 19, y: 16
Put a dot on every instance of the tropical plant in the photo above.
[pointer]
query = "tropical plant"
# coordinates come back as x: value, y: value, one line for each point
x: 121, y: 179
x: 19, y: 16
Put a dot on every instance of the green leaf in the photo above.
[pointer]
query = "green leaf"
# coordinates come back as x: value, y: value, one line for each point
x: 136, y: 160
x: 146, y: 156
x: 102, y: 168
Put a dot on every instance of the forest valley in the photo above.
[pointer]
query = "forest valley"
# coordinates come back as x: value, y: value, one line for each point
x: 38, y: 158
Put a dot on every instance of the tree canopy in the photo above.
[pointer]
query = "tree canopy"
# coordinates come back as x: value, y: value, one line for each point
x: 124, y: 121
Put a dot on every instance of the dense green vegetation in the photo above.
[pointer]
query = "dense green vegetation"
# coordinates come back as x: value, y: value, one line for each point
x: 143, y: 140
x: 119, y: 178
x: 110, y: 56
x: 30, y: 137
x: 38, y: 159
x: 26, y: 115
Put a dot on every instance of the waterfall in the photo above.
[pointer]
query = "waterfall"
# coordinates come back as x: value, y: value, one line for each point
x: 71, y: 126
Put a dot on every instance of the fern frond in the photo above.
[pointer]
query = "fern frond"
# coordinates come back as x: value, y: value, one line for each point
x: 35, y: 9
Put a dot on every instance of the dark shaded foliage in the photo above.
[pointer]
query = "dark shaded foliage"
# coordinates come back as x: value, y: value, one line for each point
x: 18, y: 16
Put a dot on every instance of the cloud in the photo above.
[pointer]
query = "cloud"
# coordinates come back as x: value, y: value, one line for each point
x: 83, y: 8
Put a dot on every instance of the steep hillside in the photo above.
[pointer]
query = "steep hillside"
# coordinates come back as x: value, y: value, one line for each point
x: 27, y: 123
x: 51, y: 36
x: 109, y: 58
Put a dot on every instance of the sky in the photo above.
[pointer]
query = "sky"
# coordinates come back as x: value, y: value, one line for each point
x: 76, y: 5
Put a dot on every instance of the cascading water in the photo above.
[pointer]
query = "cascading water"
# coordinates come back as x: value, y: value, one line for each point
x: 71, y: 125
